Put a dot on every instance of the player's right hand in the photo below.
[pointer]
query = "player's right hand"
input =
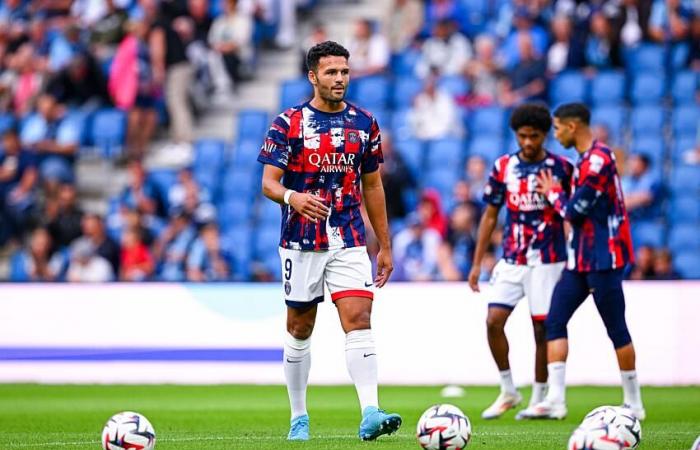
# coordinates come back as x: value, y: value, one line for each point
x: 474, y: 278
x: 310, y: 206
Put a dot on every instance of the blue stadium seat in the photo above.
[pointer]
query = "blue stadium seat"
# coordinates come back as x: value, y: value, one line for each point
x: 653, y: 147
x: 209, y: 154
x: 487, y: 147
x: 271, y: 263
x: 648, y: 233
x: 239, y: 242
x: 454, y: 85
x: 647, y: 120
x: 383, y: 118
x: 443, y: 180
x: 245, y: 153
x: 684, y: 87
x: 109, y: 131
x: 404, y: 63
x: 488, y: 121
x: 252, y: 124
x: 687, y: 264
x: 266, y: 241
x: 568, y: 87
x: 685, y: 180
x: 400, y: 124
x: 163, y: 180
x: 681, y: 145
x: 444, y: 153
x: 234, y: 212
x: 685, y: 120
x: 647, y: 88
x: 7, y: 121
x: 685, y: 209
x: 405, y: 90
x: 238, y: 183
x: 268, y: 212
x: 295, y: 92
x: 646, y: 58
x: 413, y: 153
x: 684, y: 237
x: 372, y: 92
x: 608, y: 88
x: 613, y: 117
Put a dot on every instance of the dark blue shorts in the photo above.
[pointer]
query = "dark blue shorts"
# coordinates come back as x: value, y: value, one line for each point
x: 571, y: 291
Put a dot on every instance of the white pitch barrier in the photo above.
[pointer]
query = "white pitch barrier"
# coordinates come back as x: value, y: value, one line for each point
x: 426, y: 333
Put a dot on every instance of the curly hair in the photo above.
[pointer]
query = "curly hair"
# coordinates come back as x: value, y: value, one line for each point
x: 533, y: 115
x: 327, y: 48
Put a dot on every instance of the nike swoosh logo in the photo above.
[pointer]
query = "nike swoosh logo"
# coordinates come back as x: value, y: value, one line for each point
x: 368, y: 284
x: 370, y: 354
x: 292, y: 362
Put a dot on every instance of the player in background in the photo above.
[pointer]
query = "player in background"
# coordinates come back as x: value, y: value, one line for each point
x: 599, y: 248
x: 534, y: 247
x: 327, y: 152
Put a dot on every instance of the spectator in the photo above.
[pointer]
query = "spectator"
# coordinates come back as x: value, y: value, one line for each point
x: 631, y: 22
x: 189, y: 196
x: 93, y: 228
x: 644, y: 264
x: 207, y: 261
x: 462, y: 195
x: 80, y: 84
x: 65, y: 46
x: 430, y: 210
x: 405, y: 21
x: 108, y: 31
x: 86, y: 266
x: 663, y: 266
x: 512, y: 49
x: 55, y: 138
x: 18, y: 180
x: 172, y: 31
x: 641, y: 188
x: 445, y: 52
x: 199, y: 53
x: 369, y: 49
x: 231, y: 36
x: 476, y: 177
x: 21, y: 84
x: 14, y: 11
x: 40, y: 41
x: 434, y: 114
x: 64, y: 216
x: 173, y: 245
x: 564, y: 53
x: 318, y: 34
x: 527, y: 80
x: 39, y: 262
x: 484, y: 73
x: 670, y: 21
x: 397, y: 180
x: 456, y: 252
x: 441, y: 10
x: 136, y: 260
x: 139, y: 194
x: 601, y: 48
x: 415, y: 250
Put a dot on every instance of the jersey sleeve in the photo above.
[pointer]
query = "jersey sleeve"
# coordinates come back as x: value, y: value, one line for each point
x: 373, y: 156
x: 495, y: 190
x: 275, y: 148
x: 594, y: 174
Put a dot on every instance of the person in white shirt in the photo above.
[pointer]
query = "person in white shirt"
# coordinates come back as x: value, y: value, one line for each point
x: 369, y: 49
x: 434, y: 114
x: 231, y: 36
x: 447, y: 50
x: 86, y: 266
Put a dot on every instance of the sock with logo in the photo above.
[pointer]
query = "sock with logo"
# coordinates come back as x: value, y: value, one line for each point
x: 361, y: 358
x: 557, y: 382
x: 630, y: 388
x: 297, y: 363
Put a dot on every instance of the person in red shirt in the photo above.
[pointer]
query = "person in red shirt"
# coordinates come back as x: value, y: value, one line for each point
x: 136, y: 259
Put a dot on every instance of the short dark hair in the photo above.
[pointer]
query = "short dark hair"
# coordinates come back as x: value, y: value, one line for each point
x: 574, y: 111
x: 643, y: 157
x: 327, y: 48
x: 533, y: 115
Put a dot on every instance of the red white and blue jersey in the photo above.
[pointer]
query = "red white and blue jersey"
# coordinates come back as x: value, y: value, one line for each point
x: 324, y: 154
x: 534, y: 231
x: 601, y: 238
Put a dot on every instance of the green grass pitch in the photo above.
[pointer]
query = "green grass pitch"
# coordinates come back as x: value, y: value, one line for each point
x: 256, y: 417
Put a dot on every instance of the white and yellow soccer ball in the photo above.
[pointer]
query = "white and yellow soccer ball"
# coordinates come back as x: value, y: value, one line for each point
x: 443, y: 427
x: 629, y: 427
x: 128, y: 431
x: 599, y: 436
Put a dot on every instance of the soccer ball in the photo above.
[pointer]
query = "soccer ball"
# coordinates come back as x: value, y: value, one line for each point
x: 443, y: 427
x: 600, y: 436
x: 128, y: 431
x: 629, y: 427
x: 696, y: 444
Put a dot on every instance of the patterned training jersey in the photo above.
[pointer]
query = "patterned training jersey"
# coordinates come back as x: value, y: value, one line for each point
x: 534, y: 232
x: 324, y: 154
x: 601, y: 237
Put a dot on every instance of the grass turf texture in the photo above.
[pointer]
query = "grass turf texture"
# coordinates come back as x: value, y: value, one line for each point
x: 256, y: 417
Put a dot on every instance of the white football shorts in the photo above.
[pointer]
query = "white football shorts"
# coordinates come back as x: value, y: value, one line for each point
x: 512, y: 282
x: 346, y: 271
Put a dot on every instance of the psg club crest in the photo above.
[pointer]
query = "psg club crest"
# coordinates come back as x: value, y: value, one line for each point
x: 353, y: 137
x: 287, y: 287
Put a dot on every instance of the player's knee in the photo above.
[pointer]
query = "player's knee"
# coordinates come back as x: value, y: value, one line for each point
x: 300, y: 330
x: 554, y: 329
x: 495, y: 325
x: 360, y: 320
x: 619, y: 335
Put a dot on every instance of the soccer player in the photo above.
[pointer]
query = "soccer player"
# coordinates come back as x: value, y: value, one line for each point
x: 600, y: 247
x: 327, y: 153
x: 534, y: 247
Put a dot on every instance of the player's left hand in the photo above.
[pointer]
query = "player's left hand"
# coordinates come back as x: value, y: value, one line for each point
x: 384, y: 267
x: 546, y: 182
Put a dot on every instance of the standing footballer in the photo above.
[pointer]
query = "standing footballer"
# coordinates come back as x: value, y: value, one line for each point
x: 600, y: 247
x: 320, y: 159
x: 534, y: 247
